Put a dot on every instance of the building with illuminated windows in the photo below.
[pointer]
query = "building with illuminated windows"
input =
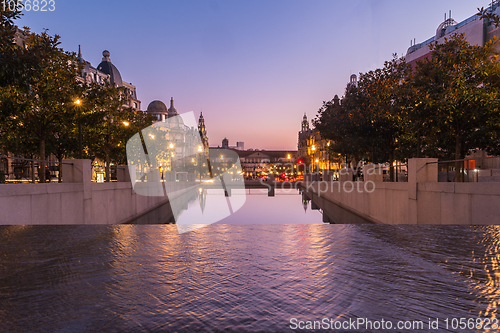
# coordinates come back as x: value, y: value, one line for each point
x: 261, y: 163
x: 184, y: 142
x: 312, y: 148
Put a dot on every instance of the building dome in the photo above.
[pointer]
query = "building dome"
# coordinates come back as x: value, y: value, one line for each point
x: 157, y: 106
x: 108, y: 68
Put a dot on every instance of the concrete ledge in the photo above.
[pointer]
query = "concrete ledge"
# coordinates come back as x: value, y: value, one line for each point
x: 8, y: 190
x: 394, y: 186
x: 68, y: 203
x: 436, y: 187
x: 478, y: 188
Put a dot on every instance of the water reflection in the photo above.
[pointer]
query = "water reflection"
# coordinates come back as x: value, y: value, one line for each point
x: 242, y: 277
x: 198, y: 205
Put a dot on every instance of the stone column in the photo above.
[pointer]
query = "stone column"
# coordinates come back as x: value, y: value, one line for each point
x: 80, y: 171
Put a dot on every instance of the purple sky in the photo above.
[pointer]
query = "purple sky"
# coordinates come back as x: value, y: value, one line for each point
x: 252, y: 67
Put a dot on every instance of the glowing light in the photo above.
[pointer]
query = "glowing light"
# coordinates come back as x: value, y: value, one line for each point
x: 171, y: 146
x: 78, y: 102
x: 125, y: 123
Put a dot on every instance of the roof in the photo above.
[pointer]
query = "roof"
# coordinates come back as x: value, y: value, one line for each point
x: 108, y: 68
x: 157, y: 106
x: 275, y: 154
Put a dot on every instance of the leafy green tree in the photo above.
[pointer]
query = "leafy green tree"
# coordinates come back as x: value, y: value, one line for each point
x: 344, y: 124
x: 108, y: 125
x: 370, y: 122
x: 458, y: 89
x: 385, y: 90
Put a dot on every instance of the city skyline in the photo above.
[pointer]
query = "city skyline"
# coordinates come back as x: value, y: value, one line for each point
x: 254, y: 68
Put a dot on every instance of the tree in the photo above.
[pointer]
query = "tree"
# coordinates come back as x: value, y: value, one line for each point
x: 459, y: 94
x: 107, y: 124
x: 344, y: 124
x: 386, y: 100
x: 371, y: 119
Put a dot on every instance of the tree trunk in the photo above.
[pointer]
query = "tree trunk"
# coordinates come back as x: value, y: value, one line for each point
x: 41, y: 171
x: 458, y: 155
x: 59, y: 158
x: 33, y: 169
x: 108, y: 176
x: 391, y: 165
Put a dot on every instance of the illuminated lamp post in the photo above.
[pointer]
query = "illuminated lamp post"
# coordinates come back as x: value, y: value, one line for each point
x: 80, y: 149
x: 289, y: 158
x: 313, y: 149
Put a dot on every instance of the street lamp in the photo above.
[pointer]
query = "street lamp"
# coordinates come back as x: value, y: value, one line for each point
x: 78, y: 103
x: 313, y: 149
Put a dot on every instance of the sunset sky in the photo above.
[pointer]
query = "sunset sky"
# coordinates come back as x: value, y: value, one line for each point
x: 252, y: 67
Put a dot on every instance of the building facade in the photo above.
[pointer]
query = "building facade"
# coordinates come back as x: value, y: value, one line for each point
x: 183, y: 145
x: 107, y: 72
x: 260, y: 163
x: 476, y: 30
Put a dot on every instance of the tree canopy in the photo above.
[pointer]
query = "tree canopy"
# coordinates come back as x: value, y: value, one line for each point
x: 39, y: 84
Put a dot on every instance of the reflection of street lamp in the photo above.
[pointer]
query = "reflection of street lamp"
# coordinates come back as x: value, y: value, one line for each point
x: 77, y: 103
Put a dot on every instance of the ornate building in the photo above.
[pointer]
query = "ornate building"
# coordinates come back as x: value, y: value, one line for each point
x: 182, y: 143
x: 107, y: 72
x: 305, y: 135
x: 312, y: 149
x: 280, y: 163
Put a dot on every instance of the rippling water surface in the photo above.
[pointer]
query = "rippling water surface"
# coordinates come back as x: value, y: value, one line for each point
x: 241, y: 278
